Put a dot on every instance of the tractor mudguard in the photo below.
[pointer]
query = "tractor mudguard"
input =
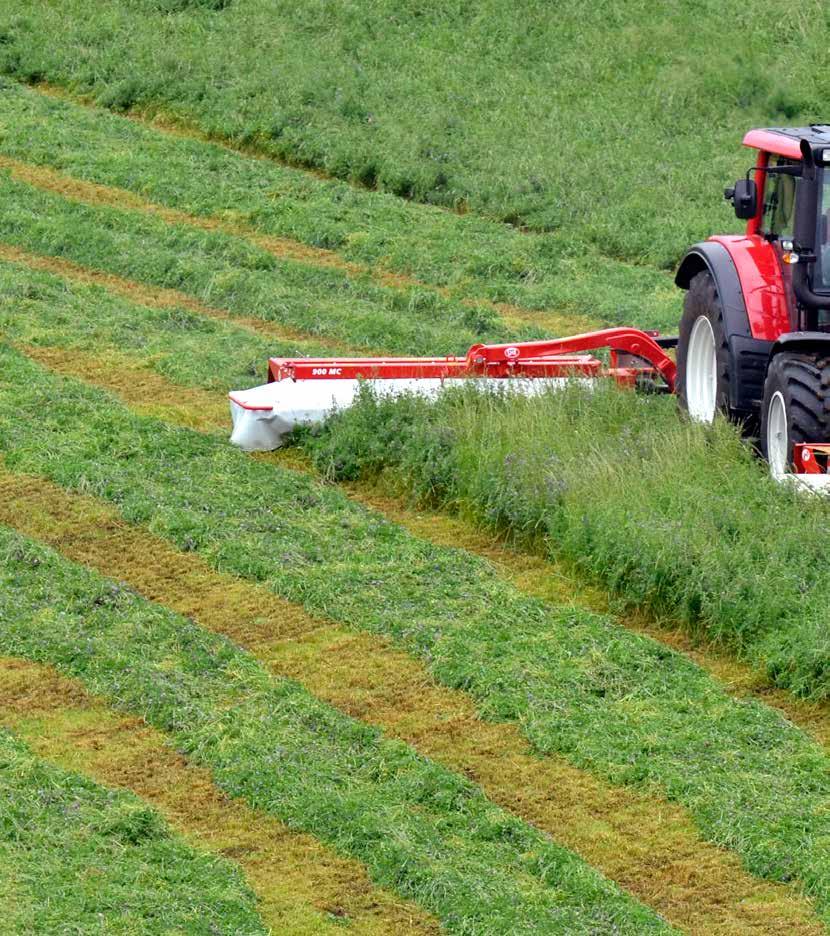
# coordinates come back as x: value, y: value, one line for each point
x: 714, y: 257
x: 749, y: 355
x: 802, y: 341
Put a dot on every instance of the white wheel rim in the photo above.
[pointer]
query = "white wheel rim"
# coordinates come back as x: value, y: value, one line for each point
x: 702, y: 372
x: 778, y: 454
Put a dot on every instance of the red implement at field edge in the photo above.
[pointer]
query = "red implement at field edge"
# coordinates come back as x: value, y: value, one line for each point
x: 305, y: 390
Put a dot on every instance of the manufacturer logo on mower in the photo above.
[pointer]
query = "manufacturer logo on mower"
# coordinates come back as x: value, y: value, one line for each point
x: 511, y: 353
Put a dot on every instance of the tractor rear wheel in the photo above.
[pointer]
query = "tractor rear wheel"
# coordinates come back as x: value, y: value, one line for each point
x: 703, y: 359
x: 796, y: 407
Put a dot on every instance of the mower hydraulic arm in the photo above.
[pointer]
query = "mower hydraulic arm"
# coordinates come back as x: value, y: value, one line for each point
x: 501, y: 360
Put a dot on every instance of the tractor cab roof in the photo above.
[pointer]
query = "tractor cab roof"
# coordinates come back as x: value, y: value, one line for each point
x: 786, y: 141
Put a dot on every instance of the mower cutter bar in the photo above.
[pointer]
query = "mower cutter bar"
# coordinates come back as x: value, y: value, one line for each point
x: 305, y: 390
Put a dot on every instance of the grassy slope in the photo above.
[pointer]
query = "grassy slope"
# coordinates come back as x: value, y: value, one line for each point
x: 468, y: 254
x: 74, y: 853
x: 519, y: 113
x: 611, y: 701
x: 422, y: 830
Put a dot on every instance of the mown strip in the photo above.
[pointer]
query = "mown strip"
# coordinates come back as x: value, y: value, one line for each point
x: 220, y: 269
x: 89, y: 193
x: 472, y: 257
x: 622, y: 705
x: 540, y: 575
x: 422, y: 830
x: 301, y: 886
x: 79, y: 857
x: 648, y: 846
x: 282, y: 341
x: 79, y: 313
x: 85, y: 333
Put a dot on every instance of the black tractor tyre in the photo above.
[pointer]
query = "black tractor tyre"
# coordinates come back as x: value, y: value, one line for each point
x: 702, y: 301
x: 803, y: 382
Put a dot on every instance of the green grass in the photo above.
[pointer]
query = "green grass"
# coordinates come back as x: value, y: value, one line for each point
x: 669, y: 516
x: 664, y: 514
x: 422, y: 830
x: 468, y: 254
x: 611, y: 701
x: 604, y: 120
x: 226, y: 271
x: 79, y: 858
x: 189, y: 349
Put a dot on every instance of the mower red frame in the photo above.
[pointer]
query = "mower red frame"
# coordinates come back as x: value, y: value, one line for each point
x: 635, y: 355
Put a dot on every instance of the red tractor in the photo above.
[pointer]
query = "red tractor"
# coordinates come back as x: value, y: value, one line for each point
x: 754, y: 341
x: 754, y: 338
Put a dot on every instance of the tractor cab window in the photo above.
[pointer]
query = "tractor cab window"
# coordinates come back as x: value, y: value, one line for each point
x: 779, y: 202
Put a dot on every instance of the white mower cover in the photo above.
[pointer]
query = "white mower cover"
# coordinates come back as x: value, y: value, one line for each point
x: 810, y: 483
x: 263, y: 415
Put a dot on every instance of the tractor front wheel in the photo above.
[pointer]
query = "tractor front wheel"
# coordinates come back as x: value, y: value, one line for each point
x: 703, y: 359
x: 796, y: 407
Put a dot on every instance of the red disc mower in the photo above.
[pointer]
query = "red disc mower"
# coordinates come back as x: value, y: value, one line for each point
x: 753, y: 343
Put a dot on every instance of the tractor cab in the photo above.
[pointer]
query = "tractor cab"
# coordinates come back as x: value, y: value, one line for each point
x: 788, y: 203
x: 754, y: 337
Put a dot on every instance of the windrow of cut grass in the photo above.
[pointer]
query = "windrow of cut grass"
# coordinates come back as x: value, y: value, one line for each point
x: 670, y: 516
x: 223, y: 270
x: 301, y: 886
x: 606, y: 123
x: 422, y: 830
x: 471, y: 257
x: 74, y: 853
x: 195, y: 351
x: 645, y: 844
x: 286, y: 341
x: 621, y: 705
x: 134, y: 349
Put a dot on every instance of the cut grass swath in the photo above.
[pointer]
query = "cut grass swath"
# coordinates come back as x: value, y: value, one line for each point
x: 472, y: 257
x: 88, y: 333
x: 619, y: 704
x: 220, y: 269
x: 422, y: 830
x: 73, y: 853
x: 197, y: 351
x: 301, y: 886
x: 287, y: 342
x: 648, y: 846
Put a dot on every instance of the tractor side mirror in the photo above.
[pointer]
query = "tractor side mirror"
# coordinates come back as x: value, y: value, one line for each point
x: 744, y: 198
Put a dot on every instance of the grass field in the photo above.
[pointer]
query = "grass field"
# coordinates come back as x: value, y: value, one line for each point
x: 241, y: 694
